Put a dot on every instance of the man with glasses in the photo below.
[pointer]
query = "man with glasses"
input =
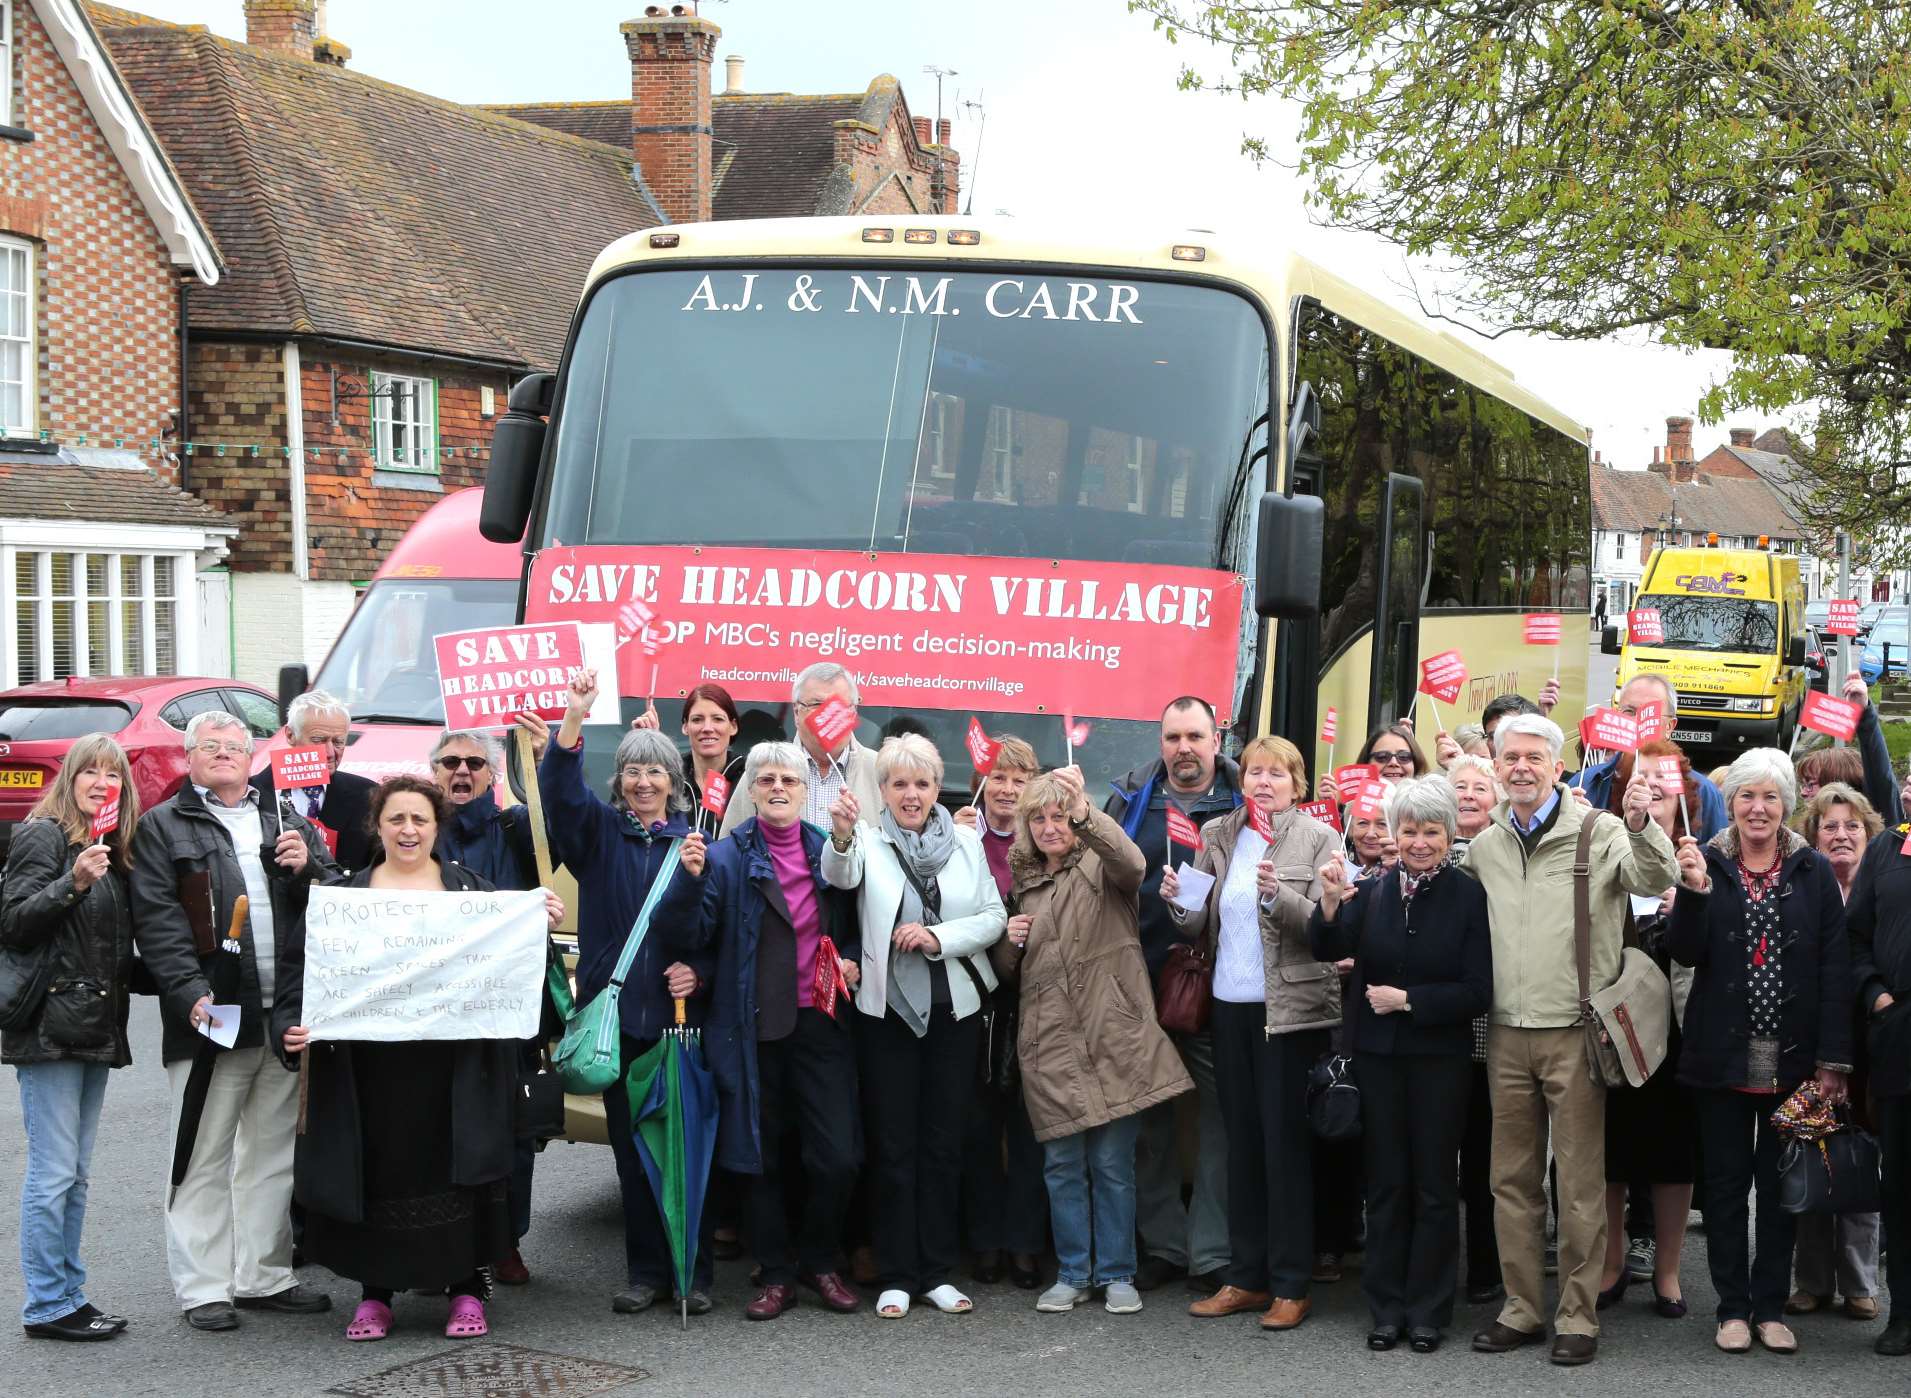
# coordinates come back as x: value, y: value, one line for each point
x: 852, y: 765
x: 338, y: 809
x: 1593, y: 785
x: 228, y: 1221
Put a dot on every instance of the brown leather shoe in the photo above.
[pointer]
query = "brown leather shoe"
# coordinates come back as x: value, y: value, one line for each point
x: 1285, y: 1314
x: 836, y: 1292
x: 771, y: 1302
x: 1861, y: 1307
x: 1570, y: 1350
x: 510, y: 1270
x: 1802, y: 1302
x: 1230, y: 1300
x: 1499, y: 1337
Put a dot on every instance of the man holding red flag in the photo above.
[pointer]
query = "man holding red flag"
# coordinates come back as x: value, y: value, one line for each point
x: 823, y: 692
x: 1593, y: 784
x: 338, y: 807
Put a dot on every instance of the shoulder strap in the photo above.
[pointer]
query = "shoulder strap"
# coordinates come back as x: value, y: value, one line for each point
x: 641, y: 926
x: 1582, y: 905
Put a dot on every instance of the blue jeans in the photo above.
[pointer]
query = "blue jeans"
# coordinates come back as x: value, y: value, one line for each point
x: 1091, y: 1202
x: 60, y: 1106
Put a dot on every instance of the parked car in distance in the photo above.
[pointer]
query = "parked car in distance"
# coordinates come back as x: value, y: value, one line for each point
x: 1819, y: 650
x: 146, y: 713
x: 1888, y: 642
x: 1818, y: 613
x: 1868, y: 617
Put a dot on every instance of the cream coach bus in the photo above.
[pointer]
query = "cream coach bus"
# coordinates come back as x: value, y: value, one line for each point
x: 1175, y: 431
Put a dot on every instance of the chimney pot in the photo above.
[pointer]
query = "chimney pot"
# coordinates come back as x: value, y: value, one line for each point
x: 1678, y: 439
x: 733, y: 73
x: 1743, y: 436
x: 942, y: 131
x: 289, y: 27
x: 923, y: 131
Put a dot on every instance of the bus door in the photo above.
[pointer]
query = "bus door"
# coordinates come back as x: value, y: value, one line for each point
x: 1403, y: 574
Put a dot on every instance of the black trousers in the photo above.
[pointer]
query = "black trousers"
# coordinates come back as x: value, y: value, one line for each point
x: 647, y: 1260
x: 1476, y: 1182
x: 916, y: 1098
x: 1004, y: 1199
x: 1740, y: 1152
x: 1412, y: 1114
x: 1894, y: 1138
x: 1262, y: 1084
x: 809, y: 1080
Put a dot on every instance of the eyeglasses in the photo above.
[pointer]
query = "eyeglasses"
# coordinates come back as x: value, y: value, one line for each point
x: 451, y: 762
x: 632, y: 772
x: 818, y: 703
x: 1393, y: 758
x: 212, y: 747
x: 779, y: 779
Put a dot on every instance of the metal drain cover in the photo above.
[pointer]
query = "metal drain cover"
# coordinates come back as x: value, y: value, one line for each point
x: 492, y: 1370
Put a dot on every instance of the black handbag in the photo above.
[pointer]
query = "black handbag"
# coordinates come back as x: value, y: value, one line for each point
x: 1333, y: 1098
x: 25, y: 973
x: 1001, y: 1064
x: 540, y: 1100
x: 1835, y: 1174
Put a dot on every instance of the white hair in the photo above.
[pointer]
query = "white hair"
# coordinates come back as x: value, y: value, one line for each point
x: 485, y: 743
x: 1468, y: 762
x: 309, y: 706
x: 1756, y: 765
x: 1423, y: 800
x: 908, y: 752
x: 823, y: 672
x: 1533, y: 726
x: 646, y: 747
x: 1670, y: 690
x: 788, y: 756
x: 209, y: 719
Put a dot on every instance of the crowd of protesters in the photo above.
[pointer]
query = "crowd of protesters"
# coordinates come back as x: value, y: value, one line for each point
x: 934, y: 1032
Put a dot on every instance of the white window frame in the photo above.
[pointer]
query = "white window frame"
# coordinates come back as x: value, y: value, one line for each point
x: 41, y: 541
x: 6, y: 62
x: 423, y: 457
x: 29, y: 390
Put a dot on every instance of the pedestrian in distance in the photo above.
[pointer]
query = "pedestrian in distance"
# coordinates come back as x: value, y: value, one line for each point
x: 1423, y: 971
x: 929, y: 911
x: 1273, y: 1005
x: 65, y: 898
x: 1759, y: 918
x: 337, y: 809
x: 195, y: 857
x: 404, y: 1161
x: 1093, y: 1057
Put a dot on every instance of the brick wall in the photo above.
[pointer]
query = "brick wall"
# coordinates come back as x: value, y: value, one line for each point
x: 670, y: 89
x: 236, y: 406
x: 106, y: 319
x: 894, y: 170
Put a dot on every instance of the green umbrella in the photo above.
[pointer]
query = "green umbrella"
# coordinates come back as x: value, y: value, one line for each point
x: 673, y: 1114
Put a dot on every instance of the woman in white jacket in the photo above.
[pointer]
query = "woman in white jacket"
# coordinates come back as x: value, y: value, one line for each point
x: 930, y: 911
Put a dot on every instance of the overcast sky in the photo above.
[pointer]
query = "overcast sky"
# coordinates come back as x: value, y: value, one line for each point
x: 1075, y: 113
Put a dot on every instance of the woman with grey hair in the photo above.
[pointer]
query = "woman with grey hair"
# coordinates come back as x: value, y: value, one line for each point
x: 1423, y: 970
x: 623, y: 853
x: 1759, y: 917
x: 929, y: 910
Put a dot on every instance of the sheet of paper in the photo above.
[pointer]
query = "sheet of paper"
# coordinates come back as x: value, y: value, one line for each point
x: 1194, y: 887
x: 1644, y: 907
x: 223, y: 1027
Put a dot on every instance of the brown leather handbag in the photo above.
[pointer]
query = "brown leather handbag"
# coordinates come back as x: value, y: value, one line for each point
x: 1185, y: 988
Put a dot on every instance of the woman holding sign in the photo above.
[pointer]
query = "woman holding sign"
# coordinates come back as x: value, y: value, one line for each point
x: 405, y: 1150
x: 1274, y: 1004
x: 930, y: 911
x: 65, y: 900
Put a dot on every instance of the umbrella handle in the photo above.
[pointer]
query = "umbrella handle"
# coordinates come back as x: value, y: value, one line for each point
x: 680, y: 1012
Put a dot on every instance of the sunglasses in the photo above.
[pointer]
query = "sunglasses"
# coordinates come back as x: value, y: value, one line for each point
x: 454, y: 762
x: 1392, y: 759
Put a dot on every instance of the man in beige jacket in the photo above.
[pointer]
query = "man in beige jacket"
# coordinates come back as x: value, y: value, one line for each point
x: 852, y: 765
x: 1535, y: 1048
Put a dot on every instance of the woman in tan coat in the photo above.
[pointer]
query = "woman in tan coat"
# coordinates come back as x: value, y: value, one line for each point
x: 1274, y: 1005
x: 1092, y: 1055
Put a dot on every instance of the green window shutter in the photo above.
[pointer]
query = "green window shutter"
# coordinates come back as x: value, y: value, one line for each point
x: 437, y: 437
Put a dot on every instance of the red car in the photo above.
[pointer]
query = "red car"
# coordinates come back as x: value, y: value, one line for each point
x: 147, y: 713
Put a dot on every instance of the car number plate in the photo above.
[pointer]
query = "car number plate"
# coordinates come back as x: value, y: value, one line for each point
x: 28, y: 777
x: 1691, y: 735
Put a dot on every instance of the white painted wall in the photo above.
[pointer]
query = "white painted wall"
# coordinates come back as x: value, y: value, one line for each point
x: 280, y: 620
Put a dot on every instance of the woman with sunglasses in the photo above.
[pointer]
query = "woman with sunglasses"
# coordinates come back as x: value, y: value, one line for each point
x: 1391, y: 752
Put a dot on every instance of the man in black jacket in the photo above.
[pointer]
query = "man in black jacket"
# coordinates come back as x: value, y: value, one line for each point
x: 339, y: 808
x: 228, y: 1226
x: 1878, y: 921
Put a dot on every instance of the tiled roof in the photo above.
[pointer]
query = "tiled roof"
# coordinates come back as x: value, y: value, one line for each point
x: 101, y: 495
x: 351, y: 208
x: 607, y: 123
x: 1644, y: 501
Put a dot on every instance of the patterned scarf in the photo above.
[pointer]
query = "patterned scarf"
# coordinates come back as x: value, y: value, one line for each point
x: 1411, y: 884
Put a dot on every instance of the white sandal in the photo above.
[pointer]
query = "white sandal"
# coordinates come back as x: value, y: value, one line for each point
x: 949, y: 1301
x: 892, y: 1305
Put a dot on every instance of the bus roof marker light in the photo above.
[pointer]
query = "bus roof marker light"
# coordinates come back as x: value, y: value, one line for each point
x: 965, y: 237
x: 919, y: 235
x: 1189, y: 252
x: 665, y: 240
x: 879, y: 235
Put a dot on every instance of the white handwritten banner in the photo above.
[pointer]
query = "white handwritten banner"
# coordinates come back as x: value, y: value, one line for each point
x: 393, y: 966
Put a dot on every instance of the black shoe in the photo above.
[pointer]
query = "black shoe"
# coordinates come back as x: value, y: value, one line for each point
x: 1896, y: 1339
x: 1485, y: 1295
x: 726, y: 1249
x: 76, y: 1325
x: 696, y: 1302
x: 988, y: 1267
x: 1155, y: 1272
x: 294, y: 1300
x: 1615, y: 1293
x: 1571, y: 1350
x: 1383, y: 1337
x: 93, y: 1312
x: 1025, y: 1278
x: 214, y: 1315
x: 1424, y: 1339
x: 634, y: 1298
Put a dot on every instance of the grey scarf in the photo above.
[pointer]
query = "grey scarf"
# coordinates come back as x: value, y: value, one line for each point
x: 922, y: 854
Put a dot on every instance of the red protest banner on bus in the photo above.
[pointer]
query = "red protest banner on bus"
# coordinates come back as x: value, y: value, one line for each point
x: 921, y: 630
x: 1609, y: 730
x: 1347, y: 779
x: 716, y: 792
x: 983, y: 750
x: 832, y: 723
x: 1644, y: 626
x: 1541, y: 629
x: 1824, y: 714
x: 1183, y: 831
x: 296, y: 767
x: 106, y: 819
x: 1443, y: 676
x: 1330, y: 726
x: 491, y: 675
x: 1844, y: 618
x: 1326, y: 812
x: 1371, y: 798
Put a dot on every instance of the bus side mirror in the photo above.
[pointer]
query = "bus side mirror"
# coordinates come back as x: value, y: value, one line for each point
x: 1609, y: 641
x: 1795, y: 651
x: 517, y: 446
x: 294, y: 680
x: 1288, y: 555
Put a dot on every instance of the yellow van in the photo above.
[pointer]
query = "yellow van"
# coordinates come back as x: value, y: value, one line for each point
x: 1734, y: 622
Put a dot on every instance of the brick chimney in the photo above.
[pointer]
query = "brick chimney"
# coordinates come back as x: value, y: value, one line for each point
x: 289, y: 27
x: 1743, y: 436
x: 671, y: 51
x: 1678, y: 439
x: 925, y: 134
